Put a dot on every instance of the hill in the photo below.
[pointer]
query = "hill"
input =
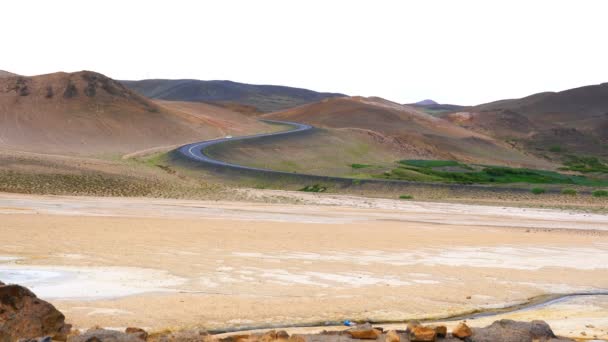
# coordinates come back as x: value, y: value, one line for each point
x: 550, y: 123
x: 369, y: 131
x: 434, y: 108
x: 6, y: 74
x: 89, y: 113
x: 265, y: 98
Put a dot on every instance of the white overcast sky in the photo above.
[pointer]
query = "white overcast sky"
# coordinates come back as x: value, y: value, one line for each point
x: 463, y: 52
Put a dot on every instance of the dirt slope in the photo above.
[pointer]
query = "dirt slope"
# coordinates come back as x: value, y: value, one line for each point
x: 89, y: 113
x: 6, y: 74
x: 575, y: 120
x: 406, y: 131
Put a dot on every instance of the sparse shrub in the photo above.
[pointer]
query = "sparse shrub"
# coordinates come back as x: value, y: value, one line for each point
x: 570, y: 192
x: 356, y: 182
x: 359, y: 166
x: 538, y: 191
x: 314, y: 188
x: 406, y: 197
x: 600, y: 193
x: 556, y: 149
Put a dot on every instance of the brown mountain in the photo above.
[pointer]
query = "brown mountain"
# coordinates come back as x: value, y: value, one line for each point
x: 6, y: 74
x: 89, y: 113
x: 574, y: 120
x: 404, y: 130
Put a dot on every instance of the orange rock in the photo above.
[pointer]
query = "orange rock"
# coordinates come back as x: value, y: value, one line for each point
x: 140, y: 333
x: 462, y: 331
x: 392, y: 336
x: 422, y: 334
x: 441, y: 330
x: 365, y: 334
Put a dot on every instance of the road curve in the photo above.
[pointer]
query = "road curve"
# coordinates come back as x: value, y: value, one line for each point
x: 196, y: 151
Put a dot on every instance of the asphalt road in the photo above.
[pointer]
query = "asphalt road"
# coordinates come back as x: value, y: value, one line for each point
x: 196, y: 151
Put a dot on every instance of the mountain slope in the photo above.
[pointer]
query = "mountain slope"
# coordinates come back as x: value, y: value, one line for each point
x: 574, y: 120
x: 4, y: 74
x: 89, y: 113
x: 266, y: 98
x: 374, y: 130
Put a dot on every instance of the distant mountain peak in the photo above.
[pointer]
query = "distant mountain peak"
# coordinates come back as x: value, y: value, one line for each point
x: 426, y: 102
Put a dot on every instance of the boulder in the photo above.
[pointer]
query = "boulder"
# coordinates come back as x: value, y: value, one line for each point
x: 25, y: 316
x: 513, y: 331
x: 462, y: 331
x: 392, y: 336
x: 103, y: 335
x: 422, y: 334
x: 272, y: 335
x: 364, y: 332
x: 236, y: 338
x: 138, y: 332
x: 441, y: 330
x: 411, y: 325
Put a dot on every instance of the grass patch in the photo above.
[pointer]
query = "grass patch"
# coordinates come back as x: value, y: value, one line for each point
x: 360, y: 166
x: 585, y: 164
x: 406, y: 197
x: 569, y: 192
x: 538, y: 191
x: 430, y: 163
x: 556, y: 149
x: 314, y: 188
x: 455, y: 172
x: 600, y: 193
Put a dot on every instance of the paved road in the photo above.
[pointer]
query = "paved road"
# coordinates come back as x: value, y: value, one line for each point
x: 196, y: 151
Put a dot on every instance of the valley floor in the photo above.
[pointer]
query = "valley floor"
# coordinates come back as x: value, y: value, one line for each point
x: 158, y: 264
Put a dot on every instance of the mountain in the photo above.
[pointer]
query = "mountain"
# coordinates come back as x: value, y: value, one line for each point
x: 427, y: 102
x: 89, y: 113
x: 573, y: 121
x: 405, y: 130
x: 265, y: 98
x: 6, y: 74
x: 434, y: 108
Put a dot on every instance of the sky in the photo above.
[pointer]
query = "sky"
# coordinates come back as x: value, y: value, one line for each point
x: 462, y: 52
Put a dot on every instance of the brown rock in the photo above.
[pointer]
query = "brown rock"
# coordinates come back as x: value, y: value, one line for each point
x: 412, y: 324
x: 422, y: 334
x: 364, y: 332
x: 392, y: 336
x: 462, y: 331
x: 297, y: 338
x: 191, y: 335
x: 272, y: 335
x: 140, y: 333
x: 25, y: 316
x: 103, y: 335
x: 236, y: 338
x: 441, y: 330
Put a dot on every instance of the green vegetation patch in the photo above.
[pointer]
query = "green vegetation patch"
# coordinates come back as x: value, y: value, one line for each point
x: 360, y: 166
x: 454, y: 172
x: 569, y: 192
x: 430, y: 163
x: 585, y: 164
x: 406, y: 197
x: 600, y: 193
x: 314, y: 188
x: 538, y: 191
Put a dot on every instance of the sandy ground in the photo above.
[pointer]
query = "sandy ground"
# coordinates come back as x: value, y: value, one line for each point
x: 159, y: 264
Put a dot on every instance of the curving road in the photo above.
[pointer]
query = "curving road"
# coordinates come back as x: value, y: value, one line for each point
x: 196, y: 151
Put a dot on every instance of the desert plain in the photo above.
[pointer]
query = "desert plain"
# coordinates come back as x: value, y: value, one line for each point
x: 168, y: 263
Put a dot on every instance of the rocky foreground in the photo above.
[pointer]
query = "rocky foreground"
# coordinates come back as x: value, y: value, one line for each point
x: 24, y: 317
